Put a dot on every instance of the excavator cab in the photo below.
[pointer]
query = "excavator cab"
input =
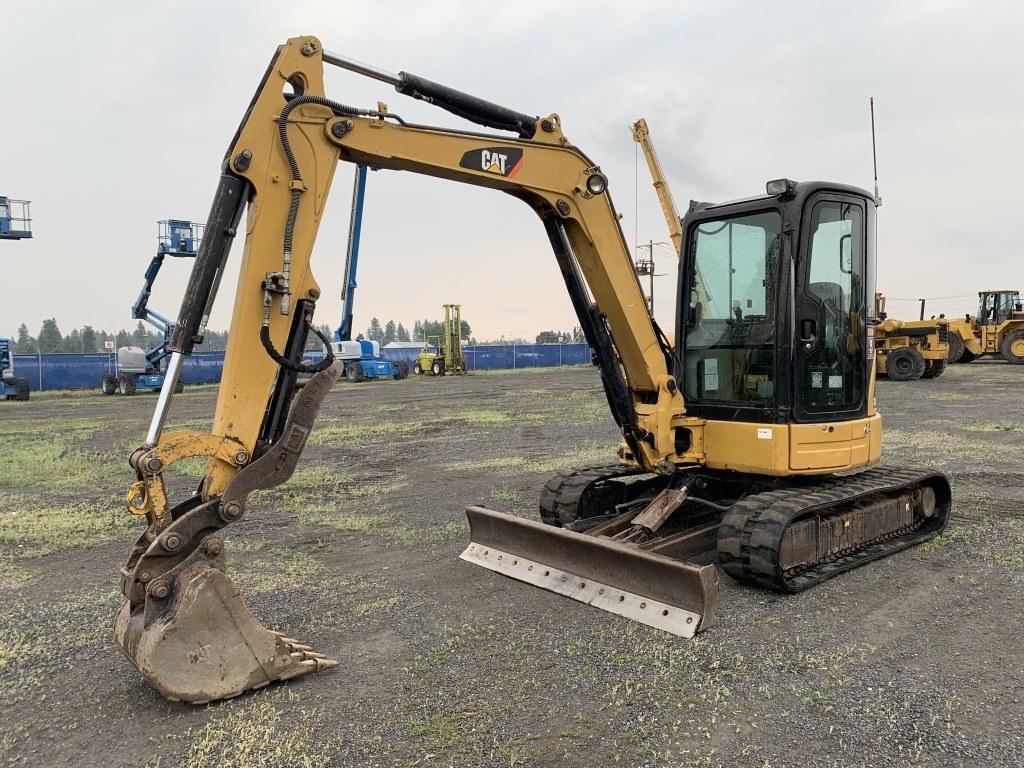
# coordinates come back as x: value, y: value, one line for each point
x: 775, y: 328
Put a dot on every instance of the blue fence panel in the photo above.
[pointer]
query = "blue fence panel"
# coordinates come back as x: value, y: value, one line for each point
x: 78, y: 371
x: 203, y: 368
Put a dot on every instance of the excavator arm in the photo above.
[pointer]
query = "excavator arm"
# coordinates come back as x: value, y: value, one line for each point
x: 278, y: 171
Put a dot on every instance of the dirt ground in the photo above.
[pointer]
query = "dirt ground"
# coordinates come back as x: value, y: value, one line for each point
x: 914, y: 661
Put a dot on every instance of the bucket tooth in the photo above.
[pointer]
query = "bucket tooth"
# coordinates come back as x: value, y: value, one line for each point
x: 207, y: 645
x: 673, y: 595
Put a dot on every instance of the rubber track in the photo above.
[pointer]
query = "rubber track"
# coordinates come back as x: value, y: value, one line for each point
x: 560, y: 497
x: 750, y: 535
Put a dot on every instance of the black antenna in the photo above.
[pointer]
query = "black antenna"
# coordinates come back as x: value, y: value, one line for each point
x: 874, y: 152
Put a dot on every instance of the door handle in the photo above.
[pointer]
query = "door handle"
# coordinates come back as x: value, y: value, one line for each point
x: 808, y: 329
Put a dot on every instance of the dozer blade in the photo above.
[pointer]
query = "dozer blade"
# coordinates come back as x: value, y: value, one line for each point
x: 672, y: 595
x: 209, y: 646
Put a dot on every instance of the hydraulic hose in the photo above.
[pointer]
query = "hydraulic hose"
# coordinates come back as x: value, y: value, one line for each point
x: 289, y: 229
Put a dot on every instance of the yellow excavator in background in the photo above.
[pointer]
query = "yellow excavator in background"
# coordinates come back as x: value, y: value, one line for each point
x: 737, y: 441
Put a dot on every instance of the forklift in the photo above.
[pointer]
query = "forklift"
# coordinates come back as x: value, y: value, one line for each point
x: 444, y: 356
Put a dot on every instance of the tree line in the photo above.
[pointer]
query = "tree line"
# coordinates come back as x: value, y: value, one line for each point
x: 88, y: 340
x: 422, y: 330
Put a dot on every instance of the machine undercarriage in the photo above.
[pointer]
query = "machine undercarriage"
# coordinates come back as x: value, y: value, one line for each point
x: 622, y: 528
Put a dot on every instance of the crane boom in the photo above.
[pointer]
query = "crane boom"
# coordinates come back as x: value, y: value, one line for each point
x: 642, y: 136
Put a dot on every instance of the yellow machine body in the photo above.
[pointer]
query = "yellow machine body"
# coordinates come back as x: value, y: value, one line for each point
x: 997, y: 329
x: 907, y: 350
x: 682, y: 465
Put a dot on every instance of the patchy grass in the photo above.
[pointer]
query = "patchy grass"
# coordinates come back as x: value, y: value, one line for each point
x: 37, y: 639
x: 56, y: 465
x: 929, y: 444
x: 486, y: 418
x: 586, y: 454
x: 991, y: 426
x: 410, y: 535
x: 993, y: 540
x: 266, y: 729
x: 12, y: 576
x: 382, y: 605
x: 284, y: 569
x: 950, y: 397
x: 351, y: 435
x: 506, y: 495
x: 29, y: 529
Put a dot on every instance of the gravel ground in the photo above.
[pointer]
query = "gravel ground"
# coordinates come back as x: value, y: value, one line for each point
x: 912, y: 661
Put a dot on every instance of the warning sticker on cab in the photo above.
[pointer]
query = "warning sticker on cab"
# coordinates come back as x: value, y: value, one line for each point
x: 764, y: 434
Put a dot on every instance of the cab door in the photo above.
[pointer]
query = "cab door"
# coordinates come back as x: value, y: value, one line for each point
x: 831, y: 356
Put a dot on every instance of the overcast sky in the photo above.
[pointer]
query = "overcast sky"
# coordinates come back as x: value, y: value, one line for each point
x: 118, y: 114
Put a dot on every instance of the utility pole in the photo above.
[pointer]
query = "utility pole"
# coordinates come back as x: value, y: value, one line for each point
x: 645, y: 266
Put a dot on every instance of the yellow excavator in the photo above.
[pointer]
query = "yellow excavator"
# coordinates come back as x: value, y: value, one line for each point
x: 738, y: 441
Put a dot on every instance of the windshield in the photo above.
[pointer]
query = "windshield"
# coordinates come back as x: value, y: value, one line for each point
x: 730, y: 325
x: 997, y: 306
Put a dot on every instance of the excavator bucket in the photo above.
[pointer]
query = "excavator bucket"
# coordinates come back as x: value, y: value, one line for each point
x: 209, y: 646
x: 668, y: 593
x: 184, y: 625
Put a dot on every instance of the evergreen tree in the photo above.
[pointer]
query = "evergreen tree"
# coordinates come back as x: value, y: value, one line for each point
x: 89, y: 340
x: 139, y: 337
x: 49, y: 336
x: 417, y: 331
x: 401, y: 333
x: 374, y: 332
x: 326, y: 330
x: 389, y: 333
x: 25, y: 344
x: 72, y: 342
x: 123, y: 339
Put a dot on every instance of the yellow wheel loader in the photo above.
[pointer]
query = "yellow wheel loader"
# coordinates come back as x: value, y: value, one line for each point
x: 909, y: 349
x: 738, y: 442
x: 997, y: 329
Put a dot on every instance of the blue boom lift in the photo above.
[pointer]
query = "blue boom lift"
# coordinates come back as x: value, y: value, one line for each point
x: 15, y: 219
x: 11, y: 387
x: 138, y: 368
x: 15, y: 224
x: 360, y: 359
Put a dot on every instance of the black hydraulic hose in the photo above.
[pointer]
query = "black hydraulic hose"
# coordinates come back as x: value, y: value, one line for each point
x: 293, y: 165
x: 706, y: 503
x: 303, y: 367
x: 293, y: 210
